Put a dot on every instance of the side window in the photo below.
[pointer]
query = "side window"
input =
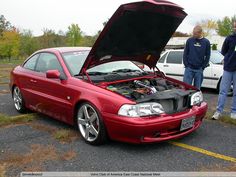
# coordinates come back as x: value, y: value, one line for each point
x: 162, y: 59
x: 30, y: 63
x: 175, y: 57
x: 48, y: 61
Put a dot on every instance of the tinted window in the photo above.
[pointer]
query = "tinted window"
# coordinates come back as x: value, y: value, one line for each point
x: 162, y: 59
x: 30, y: 63
x: 175, y: 57
x: 48, y: 61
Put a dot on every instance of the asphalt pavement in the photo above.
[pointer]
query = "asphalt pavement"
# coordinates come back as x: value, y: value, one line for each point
x: 26, y: 140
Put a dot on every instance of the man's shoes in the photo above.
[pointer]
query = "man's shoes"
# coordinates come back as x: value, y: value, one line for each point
x: 217, y: 115
x: 233, y: 116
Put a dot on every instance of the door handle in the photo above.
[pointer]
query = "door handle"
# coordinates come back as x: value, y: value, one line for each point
x: 166, y: 65
x: 33, y: 81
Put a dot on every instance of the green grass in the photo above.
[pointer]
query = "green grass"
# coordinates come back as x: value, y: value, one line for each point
x: 223, y: 118
x: 8, y: 120
x: 65, y: 135
x: 13, y: 62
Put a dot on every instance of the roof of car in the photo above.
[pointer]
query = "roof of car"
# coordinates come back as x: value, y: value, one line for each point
x: 65, y: 49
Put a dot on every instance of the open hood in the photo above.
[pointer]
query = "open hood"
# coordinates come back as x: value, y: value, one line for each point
x: 137, y: 31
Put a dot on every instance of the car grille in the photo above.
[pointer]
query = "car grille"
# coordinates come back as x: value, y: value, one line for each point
x: 175, y: 105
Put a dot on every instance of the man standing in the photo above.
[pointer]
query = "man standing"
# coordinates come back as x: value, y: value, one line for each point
x: 196, y: 57
x: 229, y: 75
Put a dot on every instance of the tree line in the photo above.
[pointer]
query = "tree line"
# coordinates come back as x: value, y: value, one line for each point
x: 15, y: 44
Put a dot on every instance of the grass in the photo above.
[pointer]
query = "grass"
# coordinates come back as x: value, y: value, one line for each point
x: 2, y: 170
x: 223, y: 118
x: 12, y: 61
x: 8, y: 120
x: 65, y: 135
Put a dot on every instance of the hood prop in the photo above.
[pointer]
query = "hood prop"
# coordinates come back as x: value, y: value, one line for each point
x: 84, y: 72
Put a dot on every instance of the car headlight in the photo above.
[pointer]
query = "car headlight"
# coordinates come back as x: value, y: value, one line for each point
x: 196, y: 98
x: 142, y: 109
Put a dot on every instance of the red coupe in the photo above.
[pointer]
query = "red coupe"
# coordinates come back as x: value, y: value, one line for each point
x: 103, y: 92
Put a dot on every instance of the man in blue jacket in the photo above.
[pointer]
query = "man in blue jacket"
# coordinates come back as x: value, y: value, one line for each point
x: 229, y: 75
x: 196, y: 57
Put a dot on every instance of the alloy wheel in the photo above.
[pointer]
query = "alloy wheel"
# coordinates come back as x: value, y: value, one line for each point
x: 88, y: 122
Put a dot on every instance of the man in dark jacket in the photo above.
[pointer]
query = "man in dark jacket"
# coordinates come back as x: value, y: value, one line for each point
x: 229, y: 75
x: 196, y: 57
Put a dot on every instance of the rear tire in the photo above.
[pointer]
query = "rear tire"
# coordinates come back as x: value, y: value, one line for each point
x: 18, y: 99
x: 90, y: 124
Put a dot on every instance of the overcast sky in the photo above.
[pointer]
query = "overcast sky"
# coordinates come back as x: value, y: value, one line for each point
x: 59, y: 14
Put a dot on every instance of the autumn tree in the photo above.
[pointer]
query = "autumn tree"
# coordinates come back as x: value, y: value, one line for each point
x: 74, y: 35
x: 209, y: 26
x: 10, y: 44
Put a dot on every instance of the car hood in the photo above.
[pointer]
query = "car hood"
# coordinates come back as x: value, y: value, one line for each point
x: 137, y: 31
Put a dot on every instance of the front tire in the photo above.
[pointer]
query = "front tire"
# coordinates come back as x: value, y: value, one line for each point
x: 90, y: 124
x: 18, y: 99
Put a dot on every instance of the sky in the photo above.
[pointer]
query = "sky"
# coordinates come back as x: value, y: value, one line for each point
x: 37, y: 15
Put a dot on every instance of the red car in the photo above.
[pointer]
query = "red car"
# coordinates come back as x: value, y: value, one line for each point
x: 106, y: 95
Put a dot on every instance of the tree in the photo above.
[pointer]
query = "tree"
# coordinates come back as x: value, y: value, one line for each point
x: 28, y: 44
x: 9, y: 44
x: 74, y: 35
x: 4, y: 25
x: 180, y: 34
x: 51, y: 39
x: 209, y: 26
x: 225, y: 26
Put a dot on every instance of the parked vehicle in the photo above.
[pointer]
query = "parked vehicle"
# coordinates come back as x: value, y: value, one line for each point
x: 171, y: 64
x: 106, y: 95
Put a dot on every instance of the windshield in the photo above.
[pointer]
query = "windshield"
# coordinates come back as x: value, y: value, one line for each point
x: 216, y: 57
x: 75, y: 61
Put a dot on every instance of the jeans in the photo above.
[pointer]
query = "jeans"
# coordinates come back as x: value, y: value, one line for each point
x: 226, y: 81
x: 195, y: 75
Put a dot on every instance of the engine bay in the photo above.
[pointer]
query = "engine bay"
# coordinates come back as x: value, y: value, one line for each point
x: 172, y: 96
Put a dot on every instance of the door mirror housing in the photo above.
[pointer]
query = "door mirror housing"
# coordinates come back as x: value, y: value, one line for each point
x: 53, y: 74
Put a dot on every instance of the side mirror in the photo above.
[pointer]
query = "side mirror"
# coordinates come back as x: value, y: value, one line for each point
x: 53, y: 74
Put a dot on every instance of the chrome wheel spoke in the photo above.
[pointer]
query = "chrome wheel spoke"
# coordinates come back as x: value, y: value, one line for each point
x: 86, y: 133
x: 93, y: 117
x: 85, y: 111
x: 93, y: 131
x: 81, y: 121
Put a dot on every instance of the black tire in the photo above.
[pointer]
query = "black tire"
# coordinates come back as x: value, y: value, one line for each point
x: 18, y: 100
x: 91, y: 127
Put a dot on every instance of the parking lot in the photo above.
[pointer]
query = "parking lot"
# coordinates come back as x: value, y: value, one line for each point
x: 44, y: 144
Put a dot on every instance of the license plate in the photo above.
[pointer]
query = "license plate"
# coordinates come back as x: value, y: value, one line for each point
x: 187, y: 123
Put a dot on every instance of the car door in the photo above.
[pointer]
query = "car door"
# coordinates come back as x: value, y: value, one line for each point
x: 26, y: 81
x: 51, y: 93
x: 173, y: 65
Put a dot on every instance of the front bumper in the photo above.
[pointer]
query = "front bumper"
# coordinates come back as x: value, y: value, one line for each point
x: 152, y: 129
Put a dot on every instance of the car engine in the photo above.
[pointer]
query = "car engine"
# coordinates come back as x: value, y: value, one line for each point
x: 172, y: 96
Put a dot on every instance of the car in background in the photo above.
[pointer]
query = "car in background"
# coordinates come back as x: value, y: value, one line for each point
x: 102, y: 92
x: 171, y: 64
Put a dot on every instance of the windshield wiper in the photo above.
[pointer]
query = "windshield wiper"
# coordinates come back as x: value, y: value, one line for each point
x: 94, y: 73
x: 125, y: 70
